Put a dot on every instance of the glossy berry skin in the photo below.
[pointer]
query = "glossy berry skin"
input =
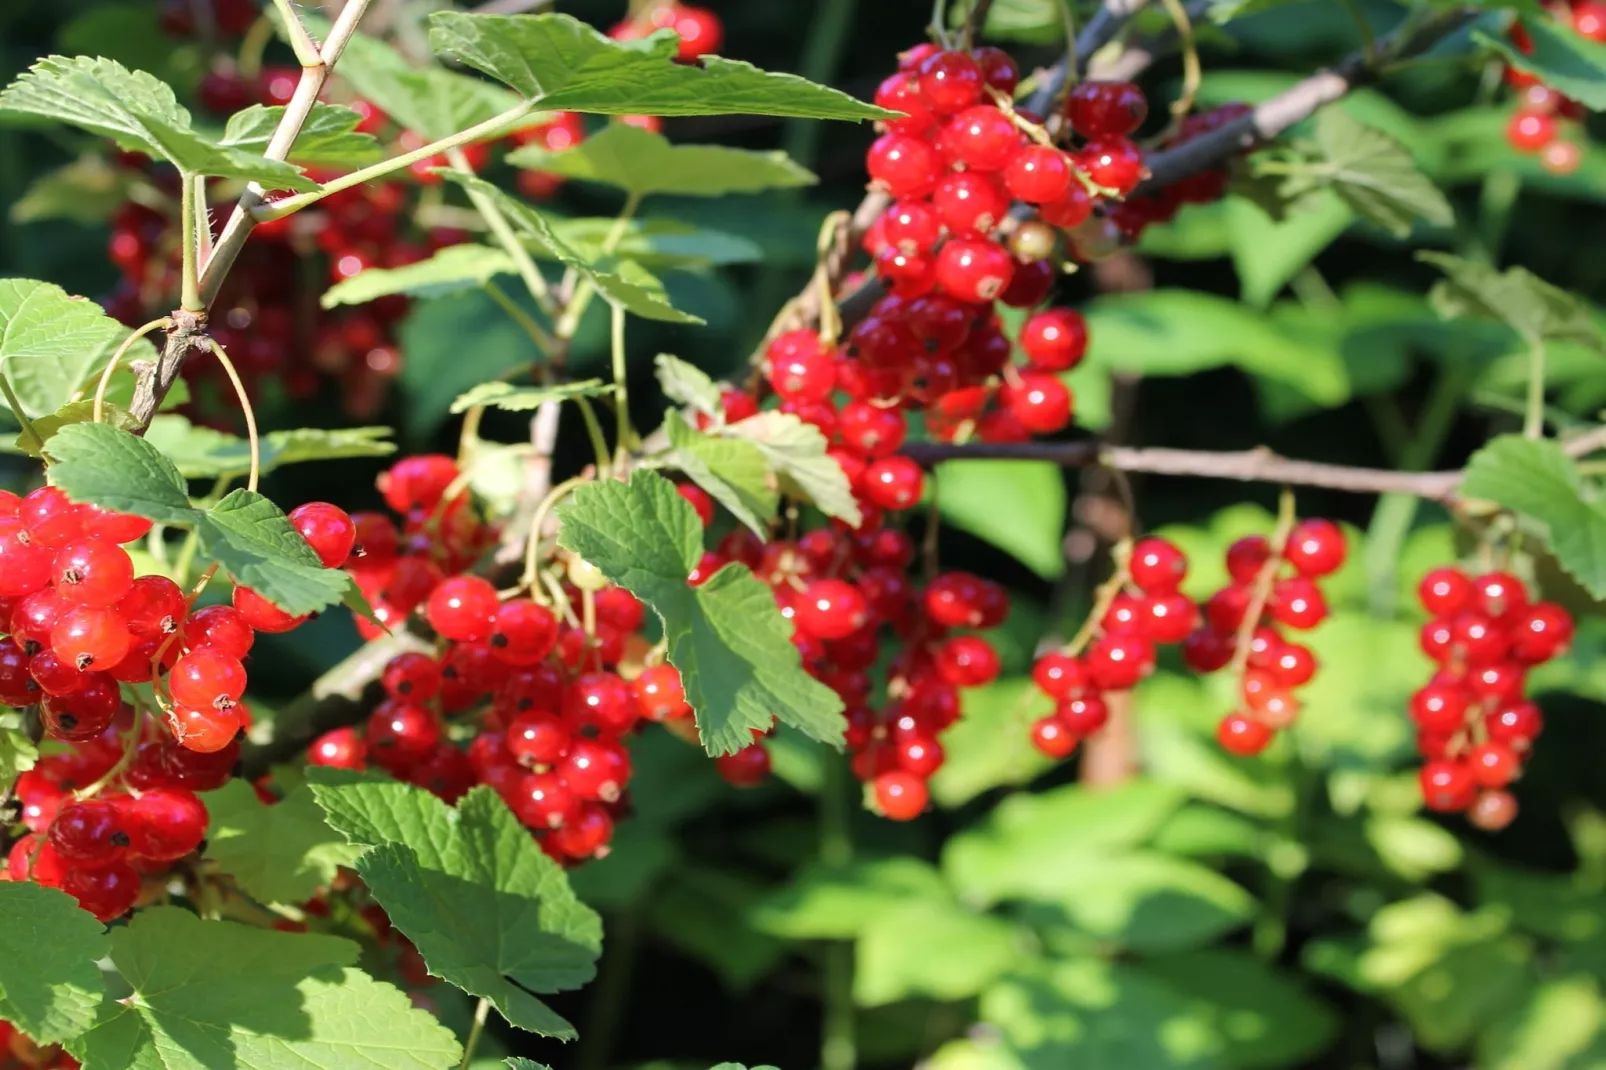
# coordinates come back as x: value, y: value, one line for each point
x: 699, y: 500
x: 894, y: 482
x: 595, y: 770
x: 204, y: 730
x: 1055, y: 340
x: 88, y: 638
x: 1444, y: 591
x: 1540, y: 633
x: 32, y: 858
x: 328, y: 529
x: 221, y: 629
x: 25, y: 561
x: 543, y: 801
x: 747, y: 768
x: 413, y: 676
x: 982, y: 138
x: 950, y: 81
x: 1315, y: 547
x: 1447, y: 786
x: 584, y: 837
x: 1243, y: 735
x: 207, y: 678
x: 968, y: 661
x: 154, y: 605
x: 165, y: 824
x: 871, y: 430
x: 1246, y: 557
x: 1114, y: 163
x: 1060, y: 676
x: 91, y: 572
x: 50, y: 518
x: 903, y: 165
x: 1106, y: 109
x: 1039, y: 175
x: 537, y: 738
x: 112, y: 526
x: 340, y: 748
x: 831, y: 609
x: 523, y: 632
x: 83, y: 713
x: 262, y: 615
x: 108, y: 892
x: 699, y: 29
x: 974, y: 269
x: 1040, y: 402
x: 1083, y: 715
x: 659, y: 694
x: 900, y: 795
x: 1157, y: 566
x: 1298, y: 603
x: 90, y: 832
x: 400, y: 734
x: 1530, y: 131
x: 1118, y: 662
x: 1052, y: 738
x: 970, y: 204
x: 463, y: 608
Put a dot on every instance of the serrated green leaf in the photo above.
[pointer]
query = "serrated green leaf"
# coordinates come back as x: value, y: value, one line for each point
x: 454, y: 268
x: 97, y: 464
x: 140, y: 114
x: 210, y: 994
x: 732, y: 471
x: 1537, y: 480
x: 727, y: 637
x: 430, y: 100
x: 253, y: 540
x: 1568, y: 62
x: 931, y: 949
x: 74, y: 412
x: 1521, y: 300
x: 18, y: 752
x: 207, y: 453
x: 562, y: 63
x: 1376, y: 175
x: 486, y: 908
x: 49, y: 985
x: 621, y: 282
x: 969, y: 494
x: 277, y: 854
x: 642, y: 162
x: 500, y: 395
x: 687, y: 384
x: 328, y: 138
x: 525, y: 1064
x: 88, y: 190
x: 51, y: 344
x: 796, y: 452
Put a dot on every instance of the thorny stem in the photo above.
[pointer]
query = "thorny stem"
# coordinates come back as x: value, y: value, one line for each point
x: 1264, y: 582
x: 141, y: 331
x: 301, y: 42
x: 190, y: 293
x: 245, y: 408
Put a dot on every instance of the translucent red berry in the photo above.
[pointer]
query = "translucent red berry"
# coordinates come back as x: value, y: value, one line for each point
x: 207, y: 678
x: 463, y: 608
x: 328, y: 529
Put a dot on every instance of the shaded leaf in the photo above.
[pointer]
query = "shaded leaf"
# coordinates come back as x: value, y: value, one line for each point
x: 838, y: 902
x: 97, y: 464
x: 277, y: 854
x: 732, y: 471
x: 253, y: 540
x: 74, y: 412
x: 969, y: 494
x: 642, y: 162
x: 655, y: 243
x: 1262, y: 1018
x: 328, y: 138
x: 932, y: 949
x: 49, y: 984
x: 1568, y: 62
x: 1521, y: 300
x: 207, y: 453
x: 795, y: 451
x: 687, y: 384
x: 1376, y: 175
x: 88, y: 190
x: 51, y: 344
x: 500, y: 395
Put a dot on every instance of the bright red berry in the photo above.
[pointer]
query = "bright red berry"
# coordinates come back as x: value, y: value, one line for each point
x: 463, y: 608
x: 1243, y: 735
x: 900, y: 795
x: 1315, y: 547
x: 207, y: 678
x: 328, y: 529
x: 261, y: 614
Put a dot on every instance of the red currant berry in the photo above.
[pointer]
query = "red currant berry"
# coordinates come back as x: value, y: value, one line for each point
x: 747, y: 768
x: 1246, y: 557
x: 261, y: 614
x: 1530, y: 131
x: 114, y: 527
x: 1040, y: 402
x: 950, y: 81
x: 1052, y: 738
x: 1298, y: 603
x: 831, y: 609
x: 25, y: 562
x: 981, y: 138
x: 903, y: 165
x: 1447, y: 785
x: 1492, y: 811
x: 1243, y: 735
x: 1500, y: 596
x: 87, y: 637
x: 584, y: 837
x: 1118, y: 662
x: 107, y: 892
x: 50, y: 518
x: 1055, y: 340
x: 1516, y: 725
x: 1445, y: 591
x: 1039, y: 175
x: 1106, y: 109
x: 165, y: 824
x: 974, y: 269
x: 1315, y: 547
x: 596, y: 770
x: 523, y: 632
x: 90, y: 832
x: 207, y: 678
x: 970, y: 204
x: 93, y: 573
x: 341, y: 748
x: 1114, y: 163
x: 221, y: 629
x: 328, y: 530
x: 1083, y: 715
x: 463, y: 608
x: 83, y: 713
x: 800, y: 367
x: 400, y: 734
x: 900, y: 795
x: 600, y: 700
x: 894, y: 482
x: 1541, y: 633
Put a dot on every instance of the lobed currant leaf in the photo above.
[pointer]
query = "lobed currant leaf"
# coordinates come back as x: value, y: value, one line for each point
x: 140, y: 114
x: 562, y: 63
x: 1568, y: 62
x: 642, y: 162
x: 838, y: 902
x: 207, y: 453
x: 1521, y: 300
x: 934, y: 949
x: 448, y: 270
x: 328, y: 138
x: 254, y: 542
x: 32, y: 442
x: 87, y: 190
x: 622, y: 282
x: 732, y: 471
x: 1376, y: 175
x: 98, y: 464
x: 277, y: 854
x: 1535, y: 479
x: 687, y: 384
x: 52, y: 344
x: 795, y: 451
x: 487, y: 909
x: 217, y: 993
x: 727, y: 637
x: 49, y: 984
x: 1260, y: 1015
x: 500, y: 395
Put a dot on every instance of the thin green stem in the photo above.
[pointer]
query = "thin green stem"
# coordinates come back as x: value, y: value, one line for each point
x: 621, y: 389
x: 580, y: 299
x: 1533, y: 423
x: 117, y: 357
x: 482, y: 1011
x: 494, y: 218
x: 16, y: 408
x: 1496, y: 198
x: 542, y: 340
x: 838, y: 1047
x: 1368, y: 38
x: 822, y: 53
x: 605, y: 1017
x: 203, y: 223
x: 599, y: 441
x: 190, y: 292
x: 491, y: 127
x: 532, y: 553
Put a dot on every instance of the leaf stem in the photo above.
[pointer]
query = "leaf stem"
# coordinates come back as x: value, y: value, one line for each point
x: 141, y: 331
x: 190, y: 294
x: 533, y: 550
x: 621, y: 390
x: 1533, y: 424
x: 301, y: 42
x: 838, y: 1050
x: 496, y: 124
x: 482, y: 1011
x: 542, y: 340
x: 494, y: 218
x: 583, y: 289
x: 17, y: 410
x: 599, y: 441
x: 245, y: 408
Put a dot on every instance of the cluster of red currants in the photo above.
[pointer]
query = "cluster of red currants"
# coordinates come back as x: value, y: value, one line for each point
x: 1270, y: 586
x: 1147, y: 610
x: 1474, y: 728
x: 1537, y: 126
x: 18, y: 1052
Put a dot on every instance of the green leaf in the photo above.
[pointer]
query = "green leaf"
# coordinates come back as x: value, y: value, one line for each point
x: 931, y: 949
x: 218, y: 994
x: 969, y: 494
x: 562, y: 63
x: 1018, y: 851
x: 1267, y: 254
x: 656, y: 243
x: 97, y: 464
x: 1376, y: 176
x: 1521, y: 300
x: 1146, y: 901
x: 253, y: 540
x: 500, y: 395
x: 621, y: 282
x: 328, y: 138
x: 991, y: 744
x: 18, y: 752
x: 688, y: 384
x: 88, y: 190
x: 839, y: 902
x: 1537, y: 480
x: 486, y: 908
x: 140, y: 114
x: 207, y: 453
x: 74, y: 412
x: 430, y: 100
x: 1568, y: 62
x: 277, y: 854
x: 727, y: 637
x: 642, y: 163
x: 454, y: 268
x: 1262, y: 1018
x: 796, y: 452
x: 49, y: 984
x: 732, y: 471
x: 51, y: 344
x: 1560, y: 1025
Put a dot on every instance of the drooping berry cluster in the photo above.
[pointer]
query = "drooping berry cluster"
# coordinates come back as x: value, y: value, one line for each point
x: 1474, y: 727
x: 1146, y: 611
x: 1547, y: 123
x: 1270, y: 587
